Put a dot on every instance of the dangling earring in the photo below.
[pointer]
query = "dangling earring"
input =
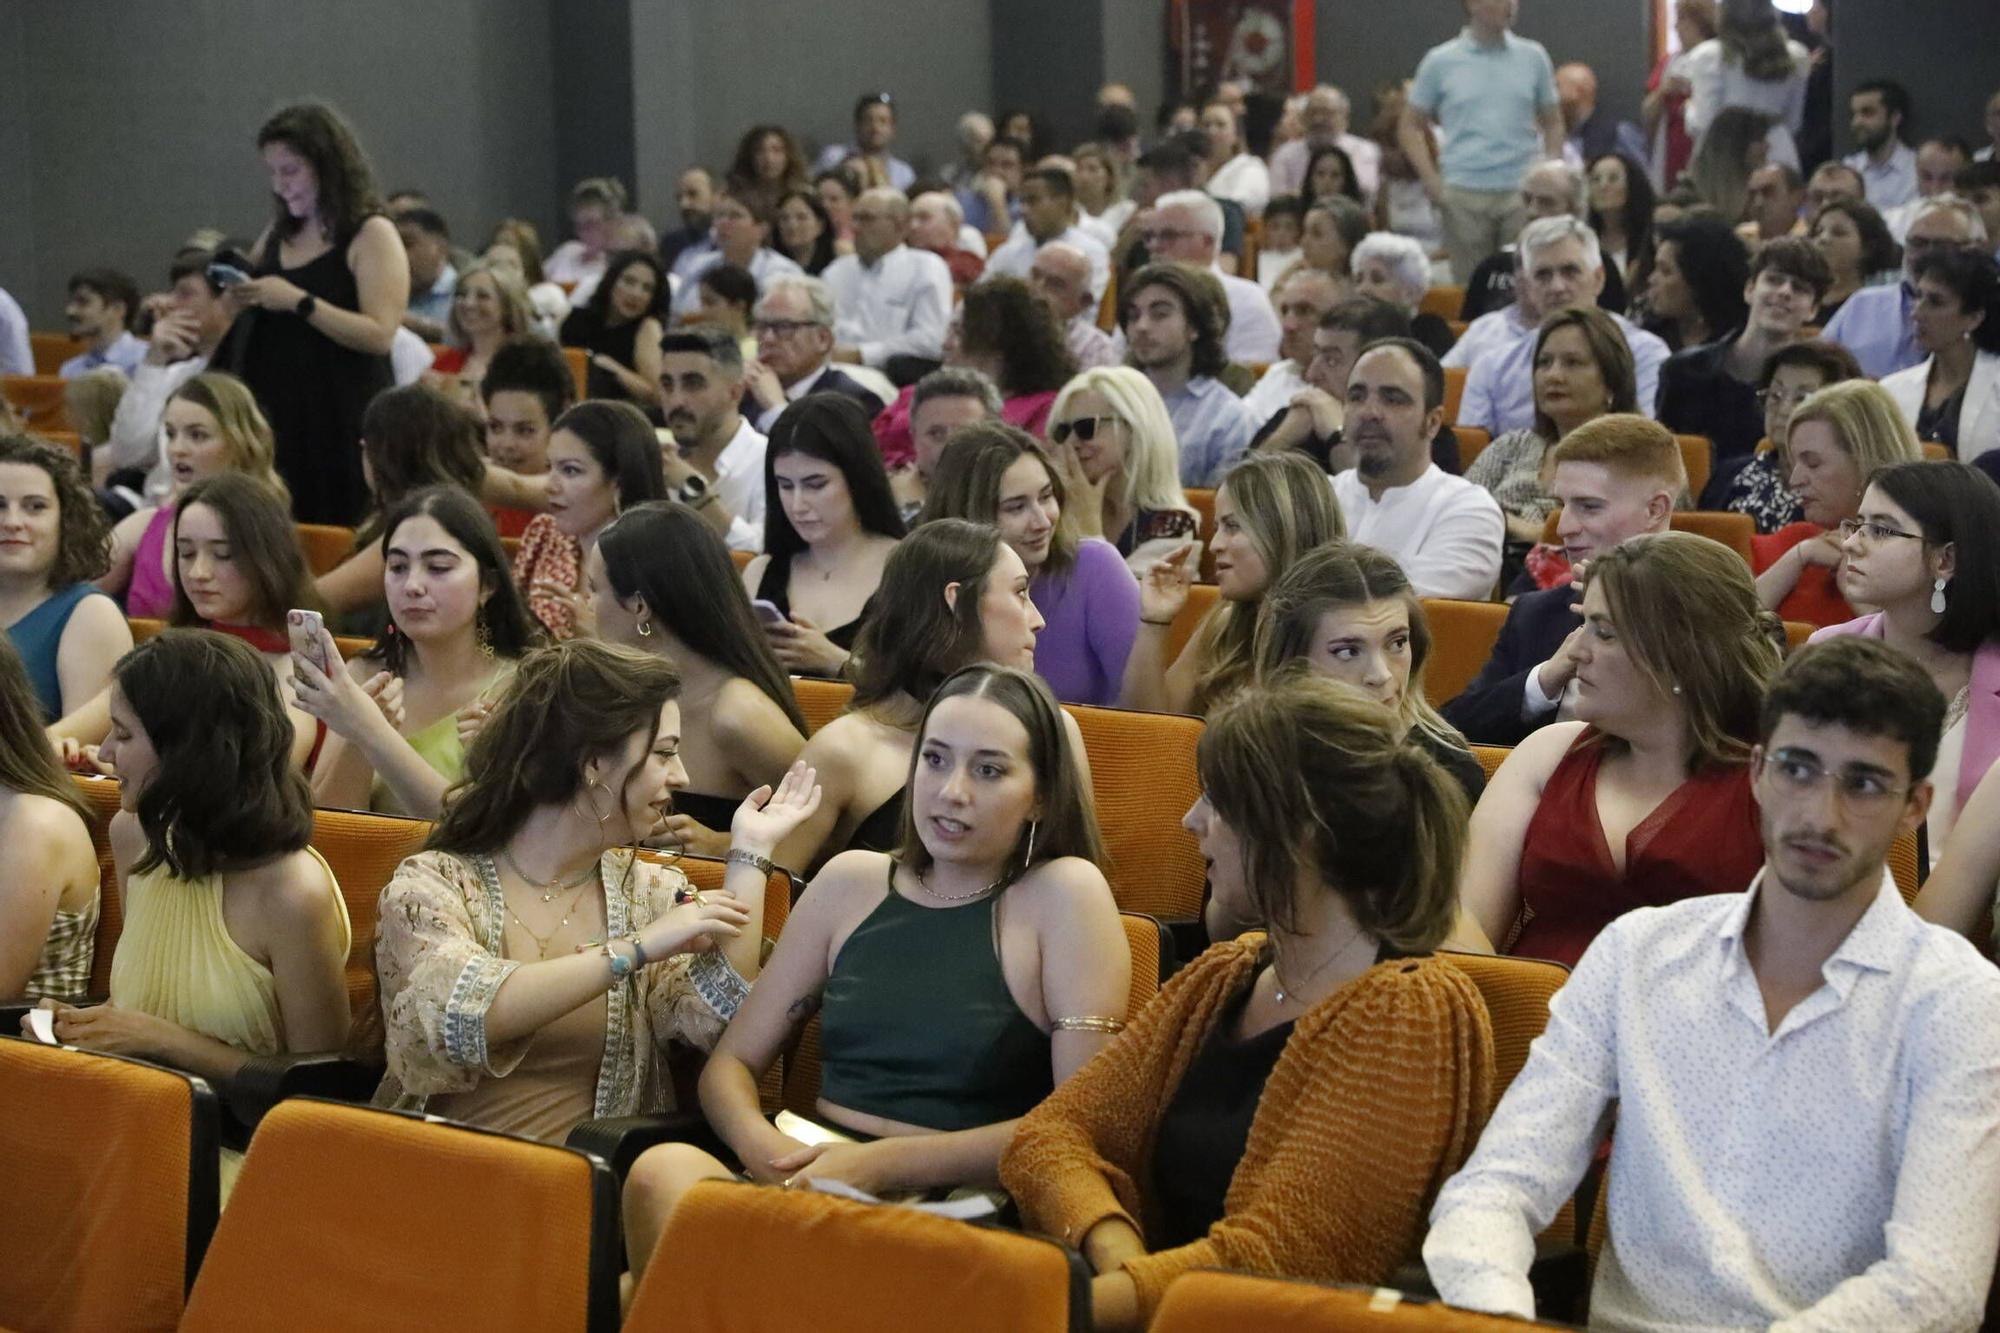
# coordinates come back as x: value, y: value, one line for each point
x: 1937, y: 596
x: 482, y: 634
x: 1029, y: 859
x: 645, y: 627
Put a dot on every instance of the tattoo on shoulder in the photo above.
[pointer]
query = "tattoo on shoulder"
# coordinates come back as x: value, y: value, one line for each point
x: 803, y: 1008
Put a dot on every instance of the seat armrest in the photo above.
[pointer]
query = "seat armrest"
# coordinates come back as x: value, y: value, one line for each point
x: 1560, y: 1276
x: 263, y: 1081
x: 620, y: 1139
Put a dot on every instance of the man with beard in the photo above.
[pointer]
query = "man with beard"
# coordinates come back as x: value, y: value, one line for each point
x: 716, y: 464
x: 1806, y: 1074
x: 1888, y: 166
x: 1444, y: 531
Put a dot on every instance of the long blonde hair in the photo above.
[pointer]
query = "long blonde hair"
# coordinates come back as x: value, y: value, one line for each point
x: 1865, y: 420
x: 1153, y: 458
x: 240, y: 423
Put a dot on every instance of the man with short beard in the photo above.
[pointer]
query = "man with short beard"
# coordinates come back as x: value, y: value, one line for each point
x: 716, y: 464
x: 1888, y: 166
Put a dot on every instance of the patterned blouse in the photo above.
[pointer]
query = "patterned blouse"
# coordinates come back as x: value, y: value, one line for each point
x: 1511, y: 468
x: 1759, y: 490
x: 437, y: 953
x: 550, y: 557
x: 63, y: 971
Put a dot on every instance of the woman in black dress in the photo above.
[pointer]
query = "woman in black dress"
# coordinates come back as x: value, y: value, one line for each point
x: 620, y: 326
x: 330, y: 287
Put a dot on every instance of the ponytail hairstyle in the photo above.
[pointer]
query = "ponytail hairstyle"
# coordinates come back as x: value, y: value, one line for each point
x: 567, y: 704
x: 225, y: 795
x: 1316, y: 779
x: 911, y: 639
x: 1065, y: 820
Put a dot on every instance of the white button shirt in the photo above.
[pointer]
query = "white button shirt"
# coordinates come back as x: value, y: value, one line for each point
x: 1016, y: 255
x: 1444, y: 531
x: 1842, y: 1173
x: 739, y: 486
x: 896, y: 306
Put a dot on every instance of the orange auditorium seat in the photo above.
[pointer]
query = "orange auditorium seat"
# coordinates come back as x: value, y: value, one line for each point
x: 1216, y: 1302
x: 39, y: 400
x: 1142, y: 778
x: 1454, y: 392
x: 1472, y: 441
x: 363, y: 851
x: 101, y: 794
x: 1732, y: 530
x: 820, y: 700
x: 1698, y: 456
x: 579, y: 368
x: 325, y: 545
x: 52, y: 349
x: 1490, y: 758
x: 1462, y: 638
x: 1444, y: 302
x: 1203, y: 500
x: 742, y: 558
x: 1201, y: 600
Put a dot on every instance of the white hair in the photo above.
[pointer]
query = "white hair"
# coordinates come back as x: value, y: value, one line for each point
x: 1573, y: 179
x: 819, y: 297
x: 1950, y: 203
x: 1405, y: 259
x: 1206, y: 212
x: 1542, y: 233
x: 948, y: 202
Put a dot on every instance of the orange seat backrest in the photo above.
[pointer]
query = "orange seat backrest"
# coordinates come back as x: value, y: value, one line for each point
x: 854, y: 1266
x: 1935, y: 452
x: 1698, y: 457
x: 144, y: 629
x: 325, y: 545
x: 706, y: 873
x: 1490, y: 758
x: 1216, y: 1302
x: 820, y: 700
x: 1454, y: 392
x: 502, y: 1232
x: 1142, y: 777
x: 1732, y: 530
x: 110, y: 1188
x: 1472, y: 442
x: 742, y: 558
x: 65, y: 439
x: 101, y: 794
x: 579, y: 369
x: 1796, y: 634
x: 39, y: 400
x: 1201, y: 600
x: 1462, y: 638
x: 1444, y: 302
x: 1203, y: 500
x: 363, y: 851
x: 1903, y: 866
x: 52, y: 349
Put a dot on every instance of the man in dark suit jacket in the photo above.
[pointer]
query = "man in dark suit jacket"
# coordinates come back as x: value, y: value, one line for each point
x: 1617, y: 478
x: 794, y: 325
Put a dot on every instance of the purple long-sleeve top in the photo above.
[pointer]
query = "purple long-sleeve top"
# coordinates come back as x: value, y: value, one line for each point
x: 1093, y: 617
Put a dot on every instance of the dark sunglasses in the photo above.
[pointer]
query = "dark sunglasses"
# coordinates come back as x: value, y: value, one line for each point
x: 1084, y: 428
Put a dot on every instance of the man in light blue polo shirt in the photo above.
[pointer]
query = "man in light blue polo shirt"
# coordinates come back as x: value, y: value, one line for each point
x: 1492, y: 97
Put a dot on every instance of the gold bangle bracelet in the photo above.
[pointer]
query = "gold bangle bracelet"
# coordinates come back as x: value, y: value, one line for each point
x: 1089, y: 1024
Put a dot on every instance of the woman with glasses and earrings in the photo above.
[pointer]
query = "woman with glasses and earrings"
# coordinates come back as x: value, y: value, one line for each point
x: 1114, y: 444
x: 1759, y: 487
x: 1953, y: 396
x: 1837, y: 439
x: 1924, y: 549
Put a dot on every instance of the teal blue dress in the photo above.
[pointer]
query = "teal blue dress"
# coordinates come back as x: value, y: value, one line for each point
x: 37, y: 636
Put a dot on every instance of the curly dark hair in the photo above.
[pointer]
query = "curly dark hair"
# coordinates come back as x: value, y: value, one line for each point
x: 1879, y: 250
x: 225, y: 795
x: 83, y: 534
x: 742, y: 174
x: 1203, y: 301
x: 1003, y: 318
x: 347, y: 193
x: 822, y: 253
x: 1716, y: 267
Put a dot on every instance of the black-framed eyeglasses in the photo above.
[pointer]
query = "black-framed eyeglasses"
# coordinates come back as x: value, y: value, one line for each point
x: 1877, y: 530
x: 1084, y: 428
x: 1784, y: 397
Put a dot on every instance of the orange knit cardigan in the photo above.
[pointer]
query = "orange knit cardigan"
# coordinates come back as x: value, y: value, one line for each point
x: 1377, y: 1098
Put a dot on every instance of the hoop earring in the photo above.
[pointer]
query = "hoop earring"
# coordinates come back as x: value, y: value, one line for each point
x: 1937, y: 596
x: 645, y: 627
x: 591, y: 784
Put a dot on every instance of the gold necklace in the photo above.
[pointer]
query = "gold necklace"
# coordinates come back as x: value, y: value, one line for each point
x: 549, y: 888
x: 1288, y: 993
x: 924, y: 884
x: 542, y: 941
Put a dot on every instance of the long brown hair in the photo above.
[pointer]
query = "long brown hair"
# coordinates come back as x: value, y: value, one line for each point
x: 967, y: 483
x: 567, y: 704
x: 913, y: 639
x: 264, y: 548
x: 28, y: 763
x: 1312, y: 775
x: 241, y: 425
x: 346, y: 183
x: 1066, y: 823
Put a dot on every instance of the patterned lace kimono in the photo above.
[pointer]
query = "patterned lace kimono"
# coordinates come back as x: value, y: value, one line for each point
x: 437, y: 954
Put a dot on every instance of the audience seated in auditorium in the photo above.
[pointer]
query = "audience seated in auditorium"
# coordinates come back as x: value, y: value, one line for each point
x: 1562, y: 265
x: 959, y: 973
x: 1838, y: 438
x: 1923, y: 550
x: 1952, y: 397
x: 940, y: 403
x: 936, y: 224
x: 716, y: 465
x: 1303, y: 297
x: 1325, y: 119
x: 1614, y: 478
x: 890, y: 301
x: 1877, y: 111
x: 433, y: 280
x: 211, y: 425
x: 768, y: 161
x: 1329, y: 234
x: 103, y: 304
x: 619, y: 329
x: 1278, y: 244
x: 1774, y: 197
x: 1978, y: 183
x: 1582, y: 370
x: 1270, y: 510
x: 1048, y: 215
x: 1101, y: 182
x: 694, y: 199
x: 603, y: 458
x: 1114, y: 444
x: 1645, y: 798
x: 874, y: 131
x: 54, y: 544
x: 1698, y: 290
x: 1174, y: 322
x: 235, y: 934
x: 457, y: 627
x: 594, y: 204
x: 1291, y: 1102
x: 1877, y: 324
x: 661, y: 581
x: 524, y: 390
x: 1349, y: 613
x: 1759, y: 485
x: 1707, y: 390
x: 838, y: 188
x: 1395, y: 269
x: 1621, y: 213
x: 1548, y: 190
x: 1445, y: 532
x: 1234, y: 172
x: 728, y: 297
x: 505, y: 948
x: 1185, y: 226
x: 188, y: 325
x: 1060, y: 278
x: 515, y: 250
x: 1726, y: 1025
x: 998, y: 474
x: 795, y: 325
x: 48, y: 905
x: 489, y: 308
x: 744, y: 228
x: 1856, y: 245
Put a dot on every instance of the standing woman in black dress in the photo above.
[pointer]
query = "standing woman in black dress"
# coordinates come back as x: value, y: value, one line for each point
x: 330, y: 289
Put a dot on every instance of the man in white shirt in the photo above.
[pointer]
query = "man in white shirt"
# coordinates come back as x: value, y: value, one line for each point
x: 1938, y: 162
x: 1326, y: 120
x: 1806, y: 1075
x: 102, y: 303
x: 1048, y: 214
x: 1303, y: 298
x: 717, y: 463
x: 1444, y: 531
x: 1060, y: 277
x: 889, y: 300
x: 874, y: 131
x: 1876, y: 111
x: 1185, y: 226
x: 794, y: 322
x: 185, y: 335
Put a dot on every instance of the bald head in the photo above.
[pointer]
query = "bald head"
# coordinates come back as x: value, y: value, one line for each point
x: 880, y: 217
x: 1326, y: 113
x: 935, y: 218
x: 1060, y: 276
x: 1576, y: 90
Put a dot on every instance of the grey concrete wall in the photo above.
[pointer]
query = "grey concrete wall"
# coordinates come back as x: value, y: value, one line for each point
x: 1943, y: 51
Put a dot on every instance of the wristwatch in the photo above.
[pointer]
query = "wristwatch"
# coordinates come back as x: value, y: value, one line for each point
x: 694, y: 492
x: 307, y: 304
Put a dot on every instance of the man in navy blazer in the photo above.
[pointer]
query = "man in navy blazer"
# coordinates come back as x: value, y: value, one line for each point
x: 1617, y: 477
x: 794, y: 321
